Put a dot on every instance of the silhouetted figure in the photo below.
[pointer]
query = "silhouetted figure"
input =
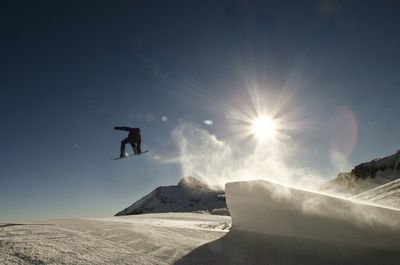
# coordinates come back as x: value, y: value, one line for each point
x: 133, y: 138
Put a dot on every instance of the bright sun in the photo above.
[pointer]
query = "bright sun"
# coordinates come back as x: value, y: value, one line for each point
x: 264, y: 128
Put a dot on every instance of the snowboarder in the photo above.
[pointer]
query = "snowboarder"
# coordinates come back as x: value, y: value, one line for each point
x: 133, y: 138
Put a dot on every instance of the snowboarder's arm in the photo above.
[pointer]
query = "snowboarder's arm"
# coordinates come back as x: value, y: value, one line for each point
x: 123, y: 128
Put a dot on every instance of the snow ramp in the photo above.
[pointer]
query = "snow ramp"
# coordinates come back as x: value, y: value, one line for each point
x: 269, y: 208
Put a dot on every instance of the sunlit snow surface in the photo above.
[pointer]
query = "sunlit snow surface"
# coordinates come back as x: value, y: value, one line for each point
x: 271, y: 224
x: 262, y: 206
x: 139, y: 239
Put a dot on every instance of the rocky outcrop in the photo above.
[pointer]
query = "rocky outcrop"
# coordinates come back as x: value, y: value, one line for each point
x: 370, y: 169
x: 366, y: 176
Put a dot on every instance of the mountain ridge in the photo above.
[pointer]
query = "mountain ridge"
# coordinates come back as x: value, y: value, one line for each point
x: 366, y: 176
x: 189, y: 195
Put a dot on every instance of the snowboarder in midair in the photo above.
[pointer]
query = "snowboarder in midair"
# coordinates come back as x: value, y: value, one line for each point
x: 133, y: 138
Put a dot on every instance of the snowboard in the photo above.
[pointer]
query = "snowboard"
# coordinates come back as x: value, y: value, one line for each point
x: 128, y: 156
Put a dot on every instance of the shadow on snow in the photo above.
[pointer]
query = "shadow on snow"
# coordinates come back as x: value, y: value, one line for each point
x: 238, y: 247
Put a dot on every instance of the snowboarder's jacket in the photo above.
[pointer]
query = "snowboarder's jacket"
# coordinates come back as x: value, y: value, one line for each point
x: 134, y: 133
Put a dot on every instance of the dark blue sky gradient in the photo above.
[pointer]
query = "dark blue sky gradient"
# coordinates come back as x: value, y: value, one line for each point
x: 72, y: 70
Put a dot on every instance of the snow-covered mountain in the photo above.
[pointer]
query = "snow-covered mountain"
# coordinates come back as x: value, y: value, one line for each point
x: 386, y: 195
x: 188, y: 196
x: 366, y: 176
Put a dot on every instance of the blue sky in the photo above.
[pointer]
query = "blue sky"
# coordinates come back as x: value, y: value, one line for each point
x: 70, y: 71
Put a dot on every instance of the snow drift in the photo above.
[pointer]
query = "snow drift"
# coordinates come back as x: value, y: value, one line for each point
x: 265, y: 207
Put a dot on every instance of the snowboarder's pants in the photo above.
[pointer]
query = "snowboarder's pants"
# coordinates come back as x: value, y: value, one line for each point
x: 135, y: 146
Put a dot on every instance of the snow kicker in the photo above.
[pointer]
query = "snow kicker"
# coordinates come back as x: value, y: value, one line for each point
x: 261, y: 206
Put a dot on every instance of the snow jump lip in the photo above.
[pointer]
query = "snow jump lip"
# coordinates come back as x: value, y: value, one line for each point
x: 262, y: 206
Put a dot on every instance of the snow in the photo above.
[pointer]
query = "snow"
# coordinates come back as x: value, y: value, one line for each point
x: 386, y: 195
x: 271, y: 224
x: 139, y: 239
x: 189, y: 195
x: 365, y: 176
x: 262, y: 206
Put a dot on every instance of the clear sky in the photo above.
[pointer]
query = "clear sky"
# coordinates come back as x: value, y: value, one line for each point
x: 72, y: 70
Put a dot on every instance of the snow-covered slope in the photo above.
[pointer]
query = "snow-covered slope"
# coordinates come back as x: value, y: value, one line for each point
x: 140, y: 239
x: 262, y: 206
x: 366, y: 176
x: 189, y: 195
x: 386, y: 195
x: 272, y: 224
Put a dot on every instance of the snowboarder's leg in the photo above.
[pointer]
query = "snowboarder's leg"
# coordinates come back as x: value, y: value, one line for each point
x: 139, y: 150
x: 135, y: 148
x: 123, y: 143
